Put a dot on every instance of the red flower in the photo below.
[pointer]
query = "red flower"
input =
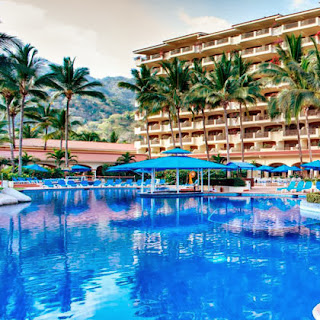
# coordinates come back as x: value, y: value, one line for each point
x: 318, y: 34
x: 278, y: 41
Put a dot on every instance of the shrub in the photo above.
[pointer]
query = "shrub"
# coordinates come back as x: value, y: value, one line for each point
x: 230, y: 182
x: 313, y: 197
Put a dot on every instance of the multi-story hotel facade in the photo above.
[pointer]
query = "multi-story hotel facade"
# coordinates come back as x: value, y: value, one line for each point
x: 266, y: 141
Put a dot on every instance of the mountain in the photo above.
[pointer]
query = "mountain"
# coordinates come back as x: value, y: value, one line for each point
x: 118, y: 101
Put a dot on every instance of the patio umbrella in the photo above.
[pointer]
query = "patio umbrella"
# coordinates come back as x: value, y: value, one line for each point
x: 177, y: 151
x: 264, y: 168
x: 79, y: 168
x: 240, y: 166
x: 285, y: 168
x: 315, y: 165
x: 35, y: 167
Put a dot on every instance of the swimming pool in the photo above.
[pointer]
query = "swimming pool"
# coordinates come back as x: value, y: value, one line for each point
x: 107, y: 254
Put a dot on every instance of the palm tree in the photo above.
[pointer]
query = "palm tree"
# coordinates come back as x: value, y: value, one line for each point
x: 125, y: 158
x: 142, y: 86
x: 58, y: 124
x: 88, y: 136
x: 250, y: 93
x: 177, y: 81
x: 24, y: 73
x: 30, y: 132
x: 286, y: 74
x: 220, y: 89
x: 219, y: 159
x: 26, y: 159
x: 58, y: 156
x: 198, y: 102
x: 43, y: 115
x: 68, y: 81
x: 3, y: 132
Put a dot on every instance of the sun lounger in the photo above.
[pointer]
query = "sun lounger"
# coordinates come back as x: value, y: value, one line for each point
x: 48, y: 183
x: 72, y: 184
x: 96, y: 183
x: 290, y: 187
x: 118, y: 182
x: 84, y: 183
x: 62, y: 183
x: 299, y: 187
x: 127, y: 183
x: 307, y: 186
x: 109, y: 182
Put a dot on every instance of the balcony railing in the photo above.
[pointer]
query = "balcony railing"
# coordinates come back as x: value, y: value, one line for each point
x: 187, y: 49
x: 262, y: 134
x: 154, y: 141
x: 308, y: 21
x: 222, y: 41
x: 209, y: 44
x: 262, y: 32
x: 291, y: 25
x: 248, y: 135
x: 220, y: 136
x: 292, y: 132
x: 247, y: 35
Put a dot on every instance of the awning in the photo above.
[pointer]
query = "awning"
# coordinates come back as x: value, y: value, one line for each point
x: 170, y: 163
x: 315, y: 165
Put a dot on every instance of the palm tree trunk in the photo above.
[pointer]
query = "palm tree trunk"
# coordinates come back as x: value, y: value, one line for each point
x: 299, y: 140
x: 148, y: 140
x: 45, y: 139
x: 66, y: 135
x: 241, y: 133
x: 226, y: 129
x: 13, y: 132
x: 10, y: 135
x: 179, y: 127
x: 21, y: 134
x: 308, y: 134
x: 205, y: 133
x: 171, y: 129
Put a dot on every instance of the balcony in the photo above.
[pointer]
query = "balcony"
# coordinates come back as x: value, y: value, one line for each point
x: 308, y: 26
x: 261, y: 53
x: 220, y: 45
x: 189, y: 51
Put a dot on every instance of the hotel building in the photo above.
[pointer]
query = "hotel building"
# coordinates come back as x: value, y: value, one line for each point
x: 266, y: 141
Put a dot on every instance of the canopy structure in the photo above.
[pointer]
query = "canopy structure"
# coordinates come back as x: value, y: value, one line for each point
x: 240, y: 166
x: 315, y: 165
x: 169, y: 163
x: 264, y: 168
x: 79, y: 168
x: 35, y: 167
x: 285, y: 168
x: 176, y: 151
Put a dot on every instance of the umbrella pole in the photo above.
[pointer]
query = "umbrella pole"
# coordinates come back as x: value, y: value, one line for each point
x: 152, y: 180
x: 201, y: 180
x: 142, y: 182
x: 208, y: 180
x: 177, y: 180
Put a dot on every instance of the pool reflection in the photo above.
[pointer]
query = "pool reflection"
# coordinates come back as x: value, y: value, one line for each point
x: 105, y: 254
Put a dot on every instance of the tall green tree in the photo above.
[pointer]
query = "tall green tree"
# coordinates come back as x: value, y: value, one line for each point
x: 286, y: 73
x: 198, y: 102
x: 177, y: 80
x: 68, y: 82
x: 58, y: 125
x: 43, y: 115
x: 142, y: 85
x: 58, y: 156
x: 25, y: 73
x: 250, y: 91
x: 221, y: 89
x: 113, y: 137
x: 88, y: 136
x: 125, y: 158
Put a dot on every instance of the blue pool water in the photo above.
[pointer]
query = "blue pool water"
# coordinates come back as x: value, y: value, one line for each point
x: 107, y: 254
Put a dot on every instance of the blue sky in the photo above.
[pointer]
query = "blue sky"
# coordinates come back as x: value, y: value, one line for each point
x: 102, y: 33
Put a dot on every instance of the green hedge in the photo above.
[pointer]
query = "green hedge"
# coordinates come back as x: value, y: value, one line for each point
x: 313, y: 197
x: 230, y: 182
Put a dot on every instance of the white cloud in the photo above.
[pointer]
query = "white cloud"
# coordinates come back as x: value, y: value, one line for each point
x: 300, y: 4
x: 102, y: 35
x: 204, y: 23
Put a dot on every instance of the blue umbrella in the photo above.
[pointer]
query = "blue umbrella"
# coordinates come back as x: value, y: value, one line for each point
x: 264, y: 168
x: 240, y: 166
x: 285, y: 168
x: 315, y: 165
x: 176, y: 151
x: 169, y: 163
x: 79, y: 168
x: 35, y: 167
